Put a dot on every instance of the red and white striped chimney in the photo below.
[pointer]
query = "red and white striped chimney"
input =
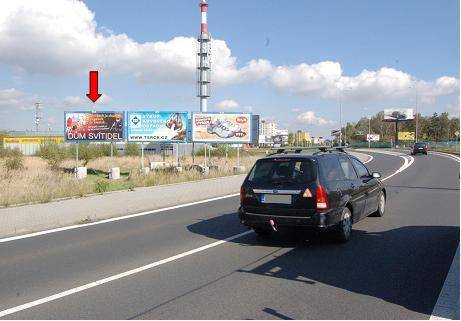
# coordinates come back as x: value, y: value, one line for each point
x: 203, y: 6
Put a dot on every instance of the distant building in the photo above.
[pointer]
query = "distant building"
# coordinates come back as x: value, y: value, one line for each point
x: 302, y: 138
x: 318, y: 140
x: 29, y: 142
x: 267, y: 128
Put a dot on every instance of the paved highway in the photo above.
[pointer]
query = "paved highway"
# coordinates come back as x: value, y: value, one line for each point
x: 170, y: 265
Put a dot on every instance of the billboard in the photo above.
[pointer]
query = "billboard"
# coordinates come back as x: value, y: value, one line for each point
x: 373, y: 138
x: 398, y: 114
x: 406, y: 136
x: 104, y: 126
x: 152, y: 126
x: 221, y: 127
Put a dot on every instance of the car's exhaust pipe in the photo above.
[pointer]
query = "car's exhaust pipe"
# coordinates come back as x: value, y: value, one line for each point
x: 272, y: 223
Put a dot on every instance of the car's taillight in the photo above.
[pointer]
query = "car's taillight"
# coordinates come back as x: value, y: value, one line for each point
x: 322, y: 199
x: 242, y: 193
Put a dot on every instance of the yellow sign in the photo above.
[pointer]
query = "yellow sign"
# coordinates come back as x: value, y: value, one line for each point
x: 33, y: 140
x: 406, y: 135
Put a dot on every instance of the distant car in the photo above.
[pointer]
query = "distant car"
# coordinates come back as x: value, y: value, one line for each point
x: 419, y: 148
x: 327, y: 190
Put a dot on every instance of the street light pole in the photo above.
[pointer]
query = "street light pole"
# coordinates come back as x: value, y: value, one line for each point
x: 369, y: 132
x: 416, y: 116
x: 340, y: 123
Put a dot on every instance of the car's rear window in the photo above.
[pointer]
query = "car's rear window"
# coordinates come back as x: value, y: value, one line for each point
x: 282, y: 171
x: 420, y: 144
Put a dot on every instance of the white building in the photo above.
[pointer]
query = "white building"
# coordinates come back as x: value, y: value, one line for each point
x: 268, y: 129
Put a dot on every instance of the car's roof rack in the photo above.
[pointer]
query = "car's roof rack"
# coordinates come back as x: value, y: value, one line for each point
x: 340, y: 149
x: 297, y: 150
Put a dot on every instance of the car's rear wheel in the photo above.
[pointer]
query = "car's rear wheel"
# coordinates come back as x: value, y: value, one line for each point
x: 261, y: 231
x: 344, y: 228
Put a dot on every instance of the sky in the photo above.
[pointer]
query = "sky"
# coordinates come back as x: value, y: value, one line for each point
x: 293, y: 62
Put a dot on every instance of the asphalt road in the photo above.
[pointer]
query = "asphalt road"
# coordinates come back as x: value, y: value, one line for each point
x: 393, y: 268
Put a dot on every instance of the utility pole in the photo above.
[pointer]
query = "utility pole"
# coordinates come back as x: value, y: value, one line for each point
x: 38, y: 116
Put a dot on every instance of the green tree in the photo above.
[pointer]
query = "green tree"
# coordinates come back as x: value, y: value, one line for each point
x: 132, y: 149
x: 53, y: 153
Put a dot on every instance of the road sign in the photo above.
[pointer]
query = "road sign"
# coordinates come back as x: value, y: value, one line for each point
x: 373, y: 138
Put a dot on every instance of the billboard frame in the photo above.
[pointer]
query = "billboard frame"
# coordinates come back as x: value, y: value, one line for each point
x: 250, y: 134
x: 92, y: 140
x: 157, y: 141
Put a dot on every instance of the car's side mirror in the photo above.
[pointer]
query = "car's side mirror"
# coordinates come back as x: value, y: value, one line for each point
x: 376, y: 175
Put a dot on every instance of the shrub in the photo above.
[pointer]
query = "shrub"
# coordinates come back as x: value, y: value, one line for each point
x: 131, y: 149
x: 54, y: 154
x: 101, y: 185
x: 14, y: 160
x: 86, y: 152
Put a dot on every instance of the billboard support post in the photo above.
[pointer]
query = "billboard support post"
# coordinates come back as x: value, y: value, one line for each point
x: 206, y: 147
x: 76, y: 158
x: 193, y: 153
x: 177, y: 155
x: 142, y: 156
x: 111, y: 154
x: 238, y: 155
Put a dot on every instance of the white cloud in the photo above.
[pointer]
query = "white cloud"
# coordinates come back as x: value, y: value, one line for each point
x: 309, y: 118
x: 11, y: 98
x: 326, y: 79
x: 227, y: 104
x: 63, y: 37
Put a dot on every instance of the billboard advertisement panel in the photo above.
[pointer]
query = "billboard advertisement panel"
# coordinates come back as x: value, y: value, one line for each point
x: 373, y: 138
x: 406, y: 136
x: 152, y: 126
x: 221, y: 127
x: 398, y: 114
x: 104, y: 126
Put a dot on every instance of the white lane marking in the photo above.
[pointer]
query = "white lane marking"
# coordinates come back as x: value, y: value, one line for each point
x: 447, y: 305
x: 450, y: 156
x: 117, y: 276
x: 370, y: 158
x: 148, y: 266
x: 408, y: 161
x: 71, y: 227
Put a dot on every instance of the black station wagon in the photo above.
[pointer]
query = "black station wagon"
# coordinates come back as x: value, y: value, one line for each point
x: 327, y: 190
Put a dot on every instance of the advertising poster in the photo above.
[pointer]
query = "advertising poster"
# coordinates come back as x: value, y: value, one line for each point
x: 406, y: 136
x: 398, y: 114
x: 151, y: 126
x: 221, y: 127
x: 96, y: 127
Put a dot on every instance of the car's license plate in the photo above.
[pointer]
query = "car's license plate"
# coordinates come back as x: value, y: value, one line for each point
x: 420, y: 148
x: 275, y: 199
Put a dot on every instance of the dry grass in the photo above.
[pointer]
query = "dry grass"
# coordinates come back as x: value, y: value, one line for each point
x: 38, y: 183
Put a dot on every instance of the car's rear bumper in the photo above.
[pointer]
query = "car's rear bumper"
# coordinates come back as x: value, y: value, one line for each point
x: 320, y: 220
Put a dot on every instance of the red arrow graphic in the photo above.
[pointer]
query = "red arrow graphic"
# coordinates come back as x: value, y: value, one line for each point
x: 94, y: 94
